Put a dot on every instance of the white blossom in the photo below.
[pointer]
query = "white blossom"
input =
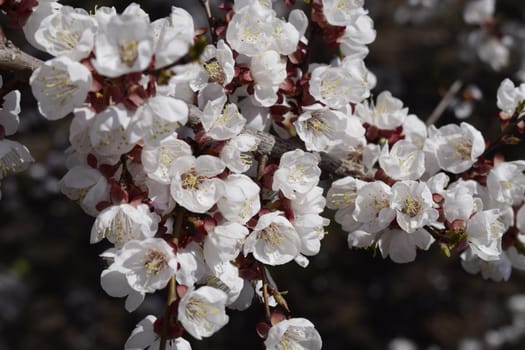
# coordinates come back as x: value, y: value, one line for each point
x: 506, y: 182
x: 321, y: 128
x: 237, y: 152
x: 274, y: 240
x: 158, y: 159
x: 194, y: 184
x: 456, y: 148
x: 148, y: 264
x: 224, y: 243
x: 192, y: 267
x: 123, y: 223
x: 405, y: 161
x: 372, y: 207
x: 414, y: 205
x: 225, y: 276
x: 479, y: 11
x: 14, y: 157
x: 496, y: 270
x: 387, y: 113
x: 9, y: 119
x: 510, y: 96
x: 125, y: 46
x: 460, y: 203
x: 484, y: 232
x: 174, y: 38
x: 202, y: 311
x: 43, y: 10
x: 250, y: 31
x: 240, y: 200
x: 298, y: 173
x: 110, y: 133
x: 68, y: 32
x: 115, y: 284
x: 341, y: 197
x: 342, y: 12
x: 268, y: 71
x: 87, y: 186
x: 218, y: 65
x: 158, y: 118
x: 338, y: 86
x: 293, y: 333
x: 401, y: 246
x: 220, y: 120
x: 144, y: 337
x: 60, y: 85
x: 357, y: 36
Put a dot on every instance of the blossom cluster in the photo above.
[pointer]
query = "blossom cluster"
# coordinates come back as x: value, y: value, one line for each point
x: 168, y: 137
x: 491, y: 45
x: 439, y: 184
x: 14, y: 157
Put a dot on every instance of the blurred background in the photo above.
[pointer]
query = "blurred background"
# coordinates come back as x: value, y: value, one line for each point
x: 50, y: 295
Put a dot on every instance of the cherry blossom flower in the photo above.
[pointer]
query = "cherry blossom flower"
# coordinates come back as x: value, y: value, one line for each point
x: 342, y: 12
x: 68, y: 32
x: 202, y: 311
x: 125, y: 46
x: 144, y: 337
x: 294, y: 333
x: 123, y: 223
x: 414, y: 205
x: 60, y: 85
x: 387, y: 113
x: 509, y: 96
x: 372, y: 207
x: 298, y: 173
x: 194, y: 185
x: 484, y: 231
x: 404, y: 161
x: 148, y: 264
x: 274, y: 240
x: 224, y: 243
x: 240, y: 200
x: 455, y: 147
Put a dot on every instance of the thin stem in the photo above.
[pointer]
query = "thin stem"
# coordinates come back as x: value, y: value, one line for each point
x: 211, y: 20
x: 172, y: 286
x: 179, y: 220
x: 509, y: 129
x: 309, y: 35
x: 445, y: 101
x: 266, y: 295
x: 263, y: 160
x: 172, y: 296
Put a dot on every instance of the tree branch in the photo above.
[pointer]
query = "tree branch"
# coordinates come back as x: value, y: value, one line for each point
x: 15, y: 60
x: 270, y: 145
x: 445, y: 101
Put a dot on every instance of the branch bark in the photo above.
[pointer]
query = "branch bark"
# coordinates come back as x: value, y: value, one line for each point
x: 15, y: 60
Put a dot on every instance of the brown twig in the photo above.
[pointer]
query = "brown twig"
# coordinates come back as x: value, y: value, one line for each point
x: 266, y: 295
x: 211, y: 20
x: 445, y: 101
x: 172, y: 286
x: 15, y: 60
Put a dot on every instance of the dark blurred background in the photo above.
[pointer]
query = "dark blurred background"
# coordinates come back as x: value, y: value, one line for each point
x: 50, y: 296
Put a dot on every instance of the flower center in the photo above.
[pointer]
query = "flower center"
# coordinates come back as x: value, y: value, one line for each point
x: 155, y: 262
x: 412, y: 206
x: 271, y: 236
x: 128, y: 52
x: 190, y: 180
x: 215, y: 71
